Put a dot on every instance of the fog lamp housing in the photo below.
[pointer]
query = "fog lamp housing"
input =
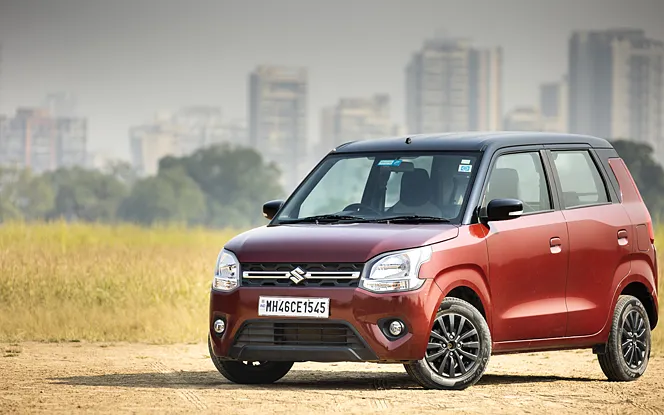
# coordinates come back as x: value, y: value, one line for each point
x: 396, y: 327
x: 219, y: 326
x: 393, y: 328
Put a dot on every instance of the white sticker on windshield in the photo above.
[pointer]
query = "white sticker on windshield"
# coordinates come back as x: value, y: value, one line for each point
x: 465, y: 161
x: 465, y: 168
x: 394, y: 163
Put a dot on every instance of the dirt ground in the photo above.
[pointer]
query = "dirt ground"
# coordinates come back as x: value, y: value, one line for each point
x: 138, y: 378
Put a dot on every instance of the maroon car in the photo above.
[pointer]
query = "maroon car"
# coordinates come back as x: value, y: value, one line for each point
x: 437, y: 251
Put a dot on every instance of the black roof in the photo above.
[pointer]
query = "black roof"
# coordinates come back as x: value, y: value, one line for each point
x: 468, y: 141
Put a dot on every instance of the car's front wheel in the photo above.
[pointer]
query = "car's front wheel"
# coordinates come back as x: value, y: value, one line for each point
x: 628, y: 349
x: 250, y: 372
x: 458, y: 350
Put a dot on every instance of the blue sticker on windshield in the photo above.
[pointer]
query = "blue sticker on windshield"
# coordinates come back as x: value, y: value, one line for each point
x: 389, y: 163
x: 465, y: 168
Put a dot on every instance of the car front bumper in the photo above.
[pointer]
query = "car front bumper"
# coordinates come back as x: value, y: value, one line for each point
x: 362, y: 313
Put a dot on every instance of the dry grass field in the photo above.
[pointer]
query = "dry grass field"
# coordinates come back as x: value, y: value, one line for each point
x: 68, y: 282
x: 658, y: 334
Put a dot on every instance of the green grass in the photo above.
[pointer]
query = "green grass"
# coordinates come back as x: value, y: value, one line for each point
x: 64, y: 282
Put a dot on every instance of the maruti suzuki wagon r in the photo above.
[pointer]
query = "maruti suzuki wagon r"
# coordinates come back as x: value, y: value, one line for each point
x: 437, y: 251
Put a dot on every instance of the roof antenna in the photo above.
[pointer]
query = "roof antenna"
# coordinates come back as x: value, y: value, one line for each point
x: 408, y: 140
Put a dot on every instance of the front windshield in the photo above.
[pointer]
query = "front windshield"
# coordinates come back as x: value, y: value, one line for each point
x: 382, y: 186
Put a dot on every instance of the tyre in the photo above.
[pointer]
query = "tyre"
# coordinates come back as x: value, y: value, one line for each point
x: 252, y: 373
x: 628, y: 348
x: 458, y: 350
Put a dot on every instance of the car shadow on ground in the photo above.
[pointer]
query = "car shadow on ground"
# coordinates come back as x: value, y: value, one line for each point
x: 299, y: 379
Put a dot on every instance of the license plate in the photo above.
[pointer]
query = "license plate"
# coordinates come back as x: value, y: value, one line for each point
x: 294, y: 307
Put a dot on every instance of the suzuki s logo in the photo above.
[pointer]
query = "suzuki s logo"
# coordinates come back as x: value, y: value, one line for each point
x: 297, y: 275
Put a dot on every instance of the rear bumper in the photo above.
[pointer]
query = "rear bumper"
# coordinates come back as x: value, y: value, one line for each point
x: 656, y: 292
x: 359, y: 310
x: 655, y: 302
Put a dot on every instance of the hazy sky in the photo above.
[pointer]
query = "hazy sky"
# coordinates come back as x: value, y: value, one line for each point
x: 127, y: 59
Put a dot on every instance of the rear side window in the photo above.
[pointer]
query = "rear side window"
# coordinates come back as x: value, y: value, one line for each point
x: 580, y: 181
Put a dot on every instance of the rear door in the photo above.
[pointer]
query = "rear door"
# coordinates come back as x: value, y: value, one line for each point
x: 600, y: 237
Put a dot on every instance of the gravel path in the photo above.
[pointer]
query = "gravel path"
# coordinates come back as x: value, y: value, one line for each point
x: 138, y: 378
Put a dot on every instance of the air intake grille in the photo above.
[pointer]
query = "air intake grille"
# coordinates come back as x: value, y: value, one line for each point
x: 301, y: 275
x: 300, y: 333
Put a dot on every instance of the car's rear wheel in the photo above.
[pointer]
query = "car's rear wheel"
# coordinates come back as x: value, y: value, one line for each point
x: 250, y: 372
x: 628, y: 348
x: 458, y: 350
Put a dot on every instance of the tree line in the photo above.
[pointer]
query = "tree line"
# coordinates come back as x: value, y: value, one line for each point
x: 647, y: 173
x: 219, y: 186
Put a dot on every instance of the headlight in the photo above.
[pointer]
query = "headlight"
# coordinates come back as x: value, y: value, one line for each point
x: 394, y: 272
x: 226, y: 274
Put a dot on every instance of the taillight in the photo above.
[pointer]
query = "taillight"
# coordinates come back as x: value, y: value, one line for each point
x: 651, y: 232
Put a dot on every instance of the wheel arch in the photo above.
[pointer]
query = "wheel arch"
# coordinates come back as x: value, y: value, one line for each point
x: 640, y: 291
x: 467, y: 294
x: 467, y: 283
x: 640, y: 283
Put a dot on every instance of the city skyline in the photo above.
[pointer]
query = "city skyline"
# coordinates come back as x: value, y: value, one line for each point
x: 208, y: 64
x: 450, y: 85
x: 616, y: 84
x: 277, y: 118
x: 43, y: 139
x: 453, y: 86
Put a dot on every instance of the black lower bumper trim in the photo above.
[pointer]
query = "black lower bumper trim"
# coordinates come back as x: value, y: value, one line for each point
x: 301, y: 354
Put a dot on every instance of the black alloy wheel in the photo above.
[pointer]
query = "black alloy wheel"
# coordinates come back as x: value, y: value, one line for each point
x: 627, y: 351
x: 458, y: 350
x: 454, y: 344
x: 633, y: 340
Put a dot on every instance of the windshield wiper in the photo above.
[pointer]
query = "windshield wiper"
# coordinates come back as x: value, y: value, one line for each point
x: 412, y: 219
x: 324, y: 219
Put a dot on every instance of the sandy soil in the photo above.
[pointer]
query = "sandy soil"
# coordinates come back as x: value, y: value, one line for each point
x: 137, y: 378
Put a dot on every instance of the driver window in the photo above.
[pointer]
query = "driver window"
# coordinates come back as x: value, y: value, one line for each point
x: 519, y: 176
x: 343, y: 185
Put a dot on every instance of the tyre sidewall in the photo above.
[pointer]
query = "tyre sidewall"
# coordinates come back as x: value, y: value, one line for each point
x: 238, y: 372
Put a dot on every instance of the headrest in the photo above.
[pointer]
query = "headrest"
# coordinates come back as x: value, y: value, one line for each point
x: 504, y: 184
x: 571, y: 199
x: 415, y: 187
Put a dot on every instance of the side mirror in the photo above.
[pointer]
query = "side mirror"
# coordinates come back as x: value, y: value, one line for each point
x: 504, y: 209
x: 271, y: 208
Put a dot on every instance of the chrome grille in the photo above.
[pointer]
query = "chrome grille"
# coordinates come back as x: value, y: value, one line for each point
x: 301, y: 275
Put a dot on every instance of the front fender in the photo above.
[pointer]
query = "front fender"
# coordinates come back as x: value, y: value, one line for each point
x: 470, y: 276
x: 462, y: 262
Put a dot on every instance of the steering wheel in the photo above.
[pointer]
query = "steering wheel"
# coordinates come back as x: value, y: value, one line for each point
x: 361, y: 208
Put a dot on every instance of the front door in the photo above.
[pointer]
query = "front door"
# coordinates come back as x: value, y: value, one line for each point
x: 527, y: 256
